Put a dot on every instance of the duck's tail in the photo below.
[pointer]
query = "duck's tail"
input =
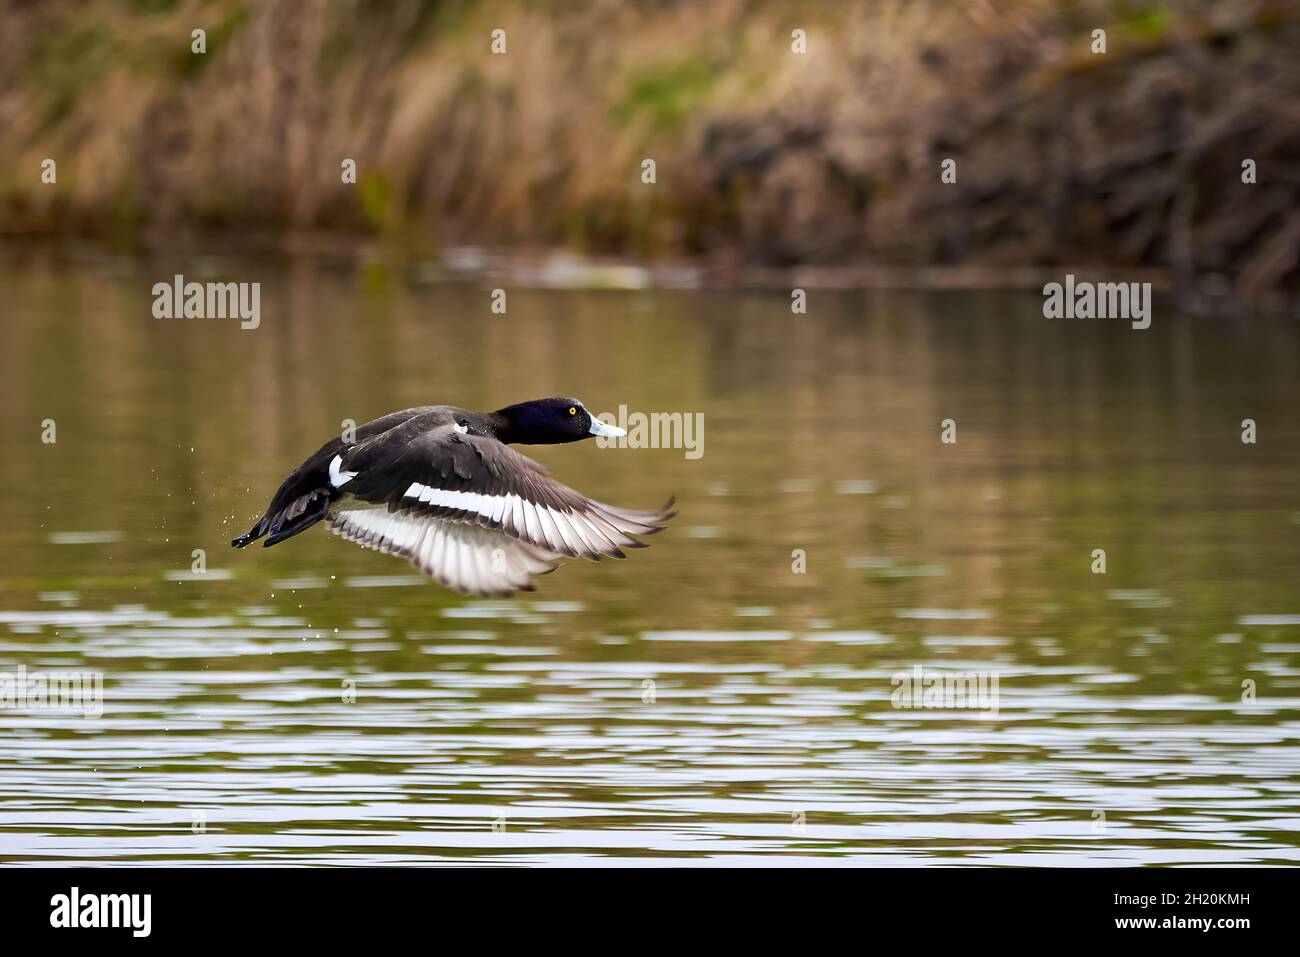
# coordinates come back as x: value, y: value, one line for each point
x: 298, y: 516
x: 298, y: 504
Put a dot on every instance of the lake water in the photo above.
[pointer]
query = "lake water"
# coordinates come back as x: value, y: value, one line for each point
x: 723, y: 697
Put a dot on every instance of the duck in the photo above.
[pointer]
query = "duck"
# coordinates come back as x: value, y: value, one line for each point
x: 441, y: 487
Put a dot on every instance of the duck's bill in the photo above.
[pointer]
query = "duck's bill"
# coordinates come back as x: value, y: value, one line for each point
x: 605, y: 429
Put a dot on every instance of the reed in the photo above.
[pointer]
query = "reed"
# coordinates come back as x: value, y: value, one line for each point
x: 1129, y: 159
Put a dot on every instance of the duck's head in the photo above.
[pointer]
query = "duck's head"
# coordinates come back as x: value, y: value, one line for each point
x: 550, y: 422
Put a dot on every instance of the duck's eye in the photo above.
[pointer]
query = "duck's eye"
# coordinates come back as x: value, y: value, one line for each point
x: 573, y: 410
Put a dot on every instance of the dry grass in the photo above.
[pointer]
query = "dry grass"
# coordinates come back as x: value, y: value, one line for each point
x: 1131, y: 159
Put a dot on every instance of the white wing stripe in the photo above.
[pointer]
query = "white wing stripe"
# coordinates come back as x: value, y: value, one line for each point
x: 588, y: 532
x: 551, y: 534
x: 531, y: 522
x: 489, y: 506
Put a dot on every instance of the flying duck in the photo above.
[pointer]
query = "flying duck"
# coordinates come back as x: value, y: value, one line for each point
x: 441, y: 487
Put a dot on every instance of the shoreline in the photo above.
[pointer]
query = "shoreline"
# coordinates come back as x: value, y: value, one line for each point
x: 563, y: 269
x: 917, y: 146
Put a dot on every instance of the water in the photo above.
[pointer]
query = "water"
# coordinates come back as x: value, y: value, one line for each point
x: 526, y: 732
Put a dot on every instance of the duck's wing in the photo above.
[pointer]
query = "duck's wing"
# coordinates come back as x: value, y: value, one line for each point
x: 447, y: 476
x: 303, y: 497
x: 459, y: 556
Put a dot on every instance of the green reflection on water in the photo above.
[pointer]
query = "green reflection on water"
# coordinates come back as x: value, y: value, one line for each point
x: 822, y: 434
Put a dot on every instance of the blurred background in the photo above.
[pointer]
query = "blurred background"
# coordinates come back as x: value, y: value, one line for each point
x: 1131, y: 159
x: 709, y: 700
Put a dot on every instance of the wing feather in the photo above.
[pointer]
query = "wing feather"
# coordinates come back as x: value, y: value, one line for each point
x: 475, y: 480
x: 467, y: 558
